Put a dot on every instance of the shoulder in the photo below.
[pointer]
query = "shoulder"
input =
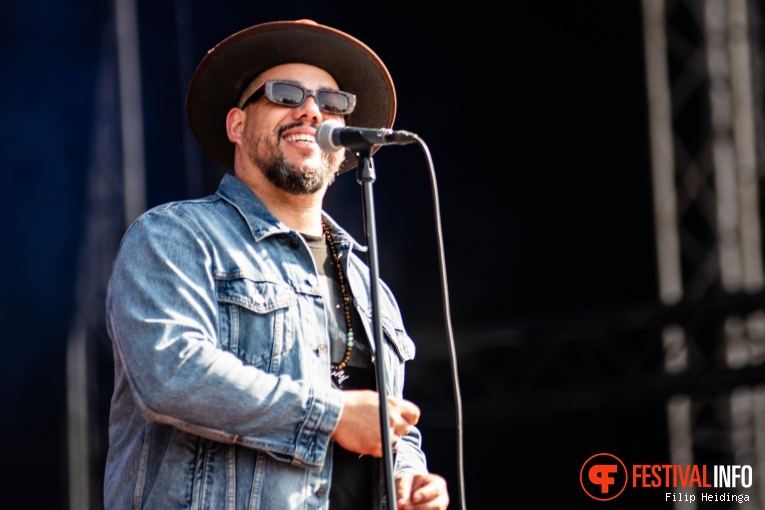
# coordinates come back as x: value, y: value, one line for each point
x: 188, y: 212
x: 172, y: 223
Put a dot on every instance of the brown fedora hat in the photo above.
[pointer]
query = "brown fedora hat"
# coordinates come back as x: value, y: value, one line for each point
x: 223, y: 74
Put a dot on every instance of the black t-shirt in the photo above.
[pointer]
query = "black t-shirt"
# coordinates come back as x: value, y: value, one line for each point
x: 352, y: 485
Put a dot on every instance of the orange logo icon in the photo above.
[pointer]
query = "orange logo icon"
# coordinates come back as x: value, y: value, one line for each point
x: 603, y: 476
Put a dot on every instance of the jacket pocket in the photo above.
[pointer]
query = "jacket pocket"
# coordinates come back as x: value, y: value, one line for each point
x: 397, y: 336
x: 254, y: 318
x: 399, y: 349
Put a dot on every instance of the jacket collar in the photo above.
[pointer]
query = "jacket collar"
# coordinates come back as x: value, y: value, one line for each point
x: 260, y: 220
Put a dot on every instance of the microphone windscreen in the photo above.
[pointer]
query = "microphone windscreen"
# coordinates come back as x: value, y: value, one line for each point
x: 324, y: 135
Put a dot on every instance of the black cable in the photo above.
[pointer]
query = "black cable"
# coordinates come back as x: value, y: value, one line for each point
x: 448, y: 321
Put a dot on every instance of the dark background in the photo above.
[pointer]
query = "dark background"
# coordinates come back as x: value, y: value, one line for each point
x: 535, y: 116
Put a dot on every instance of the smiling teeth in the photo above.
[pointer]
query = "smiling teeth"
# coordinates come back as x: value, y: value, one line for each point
x: 300, y: 138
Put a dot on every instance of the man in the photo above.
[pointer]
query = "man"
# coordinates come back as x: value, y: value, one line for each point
x: 241, y: 322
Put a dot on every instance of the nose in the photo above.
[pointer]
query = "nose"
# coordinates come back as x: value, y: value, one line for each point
x: 308, y: 111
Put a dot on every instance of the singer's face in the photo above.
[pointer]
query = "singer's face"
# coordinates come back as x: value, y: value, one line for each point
x: 280, y: 140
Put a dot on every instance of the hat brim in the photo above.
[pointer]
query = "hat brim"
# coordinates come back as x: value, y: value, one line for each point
x: 227, y: 69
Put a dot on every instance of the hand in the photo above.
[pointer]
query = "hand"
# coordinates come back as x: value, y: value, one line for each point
x: 359, y: 427
x: 421, y: 491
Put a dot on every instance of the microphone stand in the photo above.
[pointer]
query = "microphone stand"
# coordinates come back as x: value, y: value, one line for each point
x: 365, y: 176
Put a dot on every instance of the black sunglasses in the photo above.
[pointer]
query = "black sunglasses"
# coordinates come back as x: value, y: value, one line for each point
x: 286, y: 93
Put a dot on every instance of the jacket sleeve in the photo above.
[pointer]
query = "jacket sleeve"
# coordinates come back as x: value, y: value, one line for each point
x: 162, y: 316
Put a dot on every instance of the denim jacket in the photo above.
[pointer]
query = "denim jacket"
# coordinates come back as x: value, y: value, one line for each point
x: 222, y: 396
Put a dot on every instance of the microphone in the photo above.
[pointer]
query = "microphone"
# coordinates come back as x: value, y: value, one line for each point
x: 332, y: 136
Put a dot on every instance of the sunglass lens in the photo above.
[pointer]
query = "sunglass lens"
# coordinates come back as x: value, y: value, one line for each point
x: 287, y: 94
x: 332, y: 102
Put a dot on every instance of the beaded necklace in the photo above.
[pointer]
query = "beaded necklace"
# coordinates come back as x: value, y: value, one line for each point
x: 346, y: 300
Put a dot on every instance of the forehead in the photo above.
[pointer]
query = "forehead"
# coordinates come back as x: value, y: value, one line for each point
x: 305, y: 74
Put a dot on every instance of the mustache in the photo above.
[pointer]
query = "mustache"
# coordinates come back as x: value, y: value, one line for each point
x: 295, y: 124
x: 329, y: 158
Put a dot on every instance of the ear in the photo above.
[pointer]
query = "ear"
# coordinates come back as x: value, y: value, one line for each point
x: 235, y: 124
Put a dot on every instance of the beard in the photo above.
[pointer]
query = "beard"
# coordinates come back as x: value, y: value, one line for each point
x: 297, y: 179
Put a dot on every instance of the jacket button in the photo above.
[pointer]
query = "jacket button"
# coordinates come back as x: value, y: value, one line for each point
x: 321, y: 491
x: 312, y: 280
x: 321, y: 349
x: 294, y: 244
